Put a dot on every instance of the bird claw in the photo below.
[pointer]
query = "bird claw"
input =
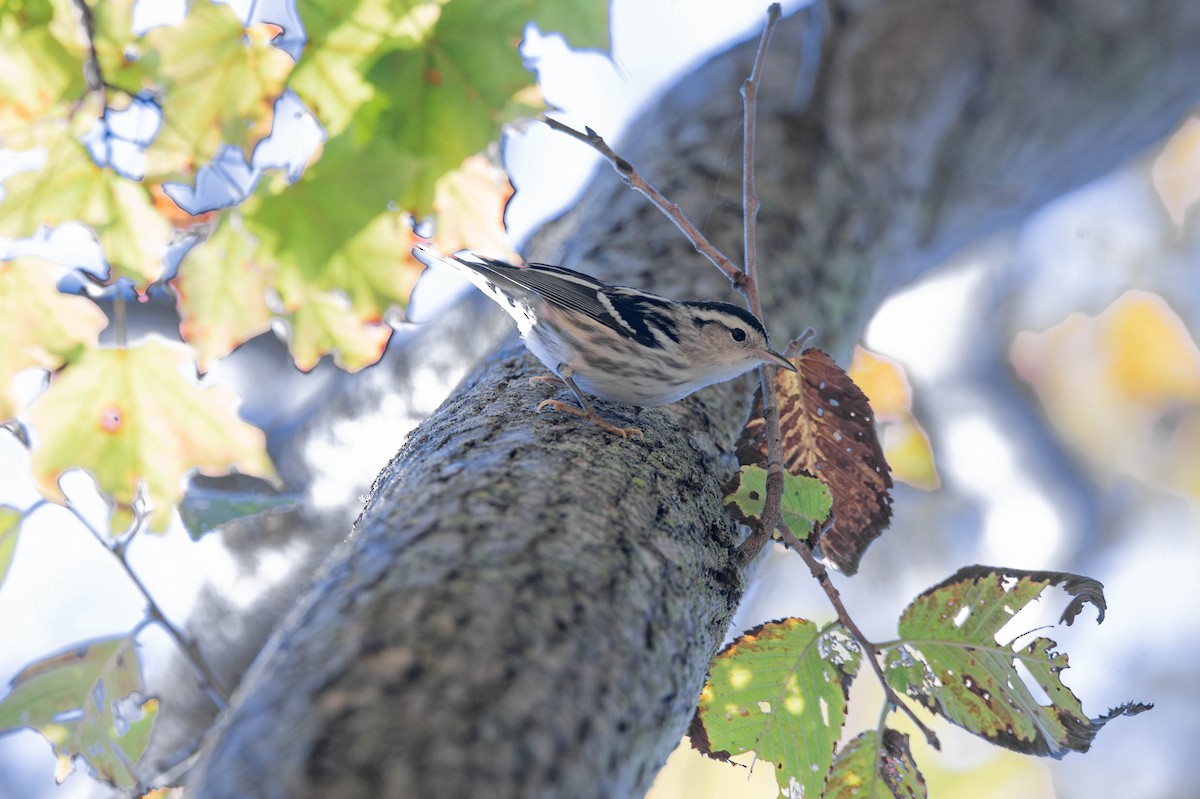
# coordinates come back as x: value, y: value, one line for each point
x: 594, y: 418
x: 533, y: 381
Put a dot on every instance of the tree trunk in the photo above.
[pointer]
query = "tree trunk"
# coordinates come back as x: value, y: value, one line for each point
x: 528, y: 605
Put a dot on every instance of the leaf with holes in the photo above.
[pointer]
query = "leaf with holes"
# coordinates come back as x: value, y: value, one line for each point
x: 88, y: 703
x: 949, y: 660
x: 40, y: 327
x: 829, y: 433
x: 805, y: 500
x: 71, y: 187
x: 222, y: 290
x: 779, y: 691
x: 132, y: 419
x: 871, y: 766
x: 219, y: 82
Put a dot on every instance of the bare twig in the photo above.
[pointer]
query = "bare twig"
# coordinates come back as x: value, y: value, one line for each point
x: 772, y: 513
x: 870, y: 651
x: 212, y: 685
x: 635, y: 181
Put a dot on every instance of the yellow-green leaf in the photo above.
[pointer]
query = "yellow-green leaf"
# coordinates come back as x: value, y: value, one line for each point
x: 40, y: 327
x: 75, y: 699
x: 38, y: 73
x: 10, y: 528
x: 72, y: 187
x: 220, y: 83
x: 131, y: 418
x: 222, y: 287
x: 779, y: 691
x: 323, y: 322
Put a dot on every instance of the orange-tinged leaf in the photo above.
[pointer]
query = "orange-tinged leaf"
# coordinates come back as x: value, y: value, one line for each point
x: 829, y: 433
x: 220, y: 84
x: 905, y: 442
x: 222, y: 292
x: 1176, y: 171
x: 1120, y: 387
x: 884, y: 382
x: 1153, y: 354
x: 130, y: 418
x: 76, y: 700
x: 468, y: 205
x: 170, y: 210
x: 910, y: 455
x: 72, y: 187
x: 40, y: 327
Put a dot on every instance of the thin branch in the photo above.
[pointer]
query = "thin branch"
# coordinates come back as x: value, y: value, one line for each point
x: 632, y: 178
x: 870, y: 651
x: 772, y: 511
x: 749, y: 193
x: 216, y: 692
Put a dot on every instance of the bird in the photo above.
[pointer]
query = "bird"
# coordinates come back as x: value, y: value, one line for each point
x: 615, y: 343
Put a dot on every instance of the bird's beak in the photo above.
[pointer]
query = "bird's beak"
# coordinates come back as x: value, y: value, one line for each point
x: 773, y: 357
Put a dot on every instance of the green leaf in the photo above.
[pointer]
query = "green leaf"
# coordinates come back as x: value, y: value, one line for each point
x: 40, y: 327
x: 75, y: 699
x: 10, y: 528
x: 220, y: 83
x: 583, y: 23
x: 204, y: 509
x: 222, y: 290
x: 129, y: 417
x: 805, y: 502
x: 448, y: 98
x: 780, y: 691
x: 949, y: 660
x: 344, y: 39
x: 871, y: 766
x: 39, y: 75
x: 72, y: 187
x: 335, y: 228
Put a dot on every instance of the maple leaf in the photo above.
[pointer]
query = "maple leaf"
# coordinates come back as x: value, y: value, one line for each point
x: 220, y: 83
x: 129, y: 417
x: 72, y: 187
x: 40, y: 327
x: 222, y: 289
x: 829, y: 433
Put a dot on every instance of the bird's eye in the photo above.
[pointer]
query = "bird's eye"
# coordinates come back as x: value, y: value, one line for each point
x: 738, y: 334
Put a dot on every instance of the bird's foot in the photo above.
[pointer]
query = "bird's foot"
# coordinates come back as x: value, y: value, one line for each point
x: 591, y: 416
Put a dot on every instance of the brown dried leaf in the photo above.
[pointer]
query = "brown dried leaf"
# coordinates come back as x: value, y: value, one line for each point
x: 829, y: 433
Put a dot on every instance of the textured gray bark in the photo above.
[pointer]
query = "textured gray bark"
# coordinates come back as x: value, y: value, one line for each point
x: 527, y: 605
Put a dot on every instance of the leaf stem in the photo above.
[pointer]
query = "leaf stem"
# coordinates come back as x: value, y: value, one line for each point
x: 212, y: 685
x: 821, y: 574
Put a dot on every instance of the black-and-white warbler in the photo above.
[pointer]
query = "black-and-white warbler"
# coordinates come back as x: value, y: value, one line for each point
x: 614, y: 342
